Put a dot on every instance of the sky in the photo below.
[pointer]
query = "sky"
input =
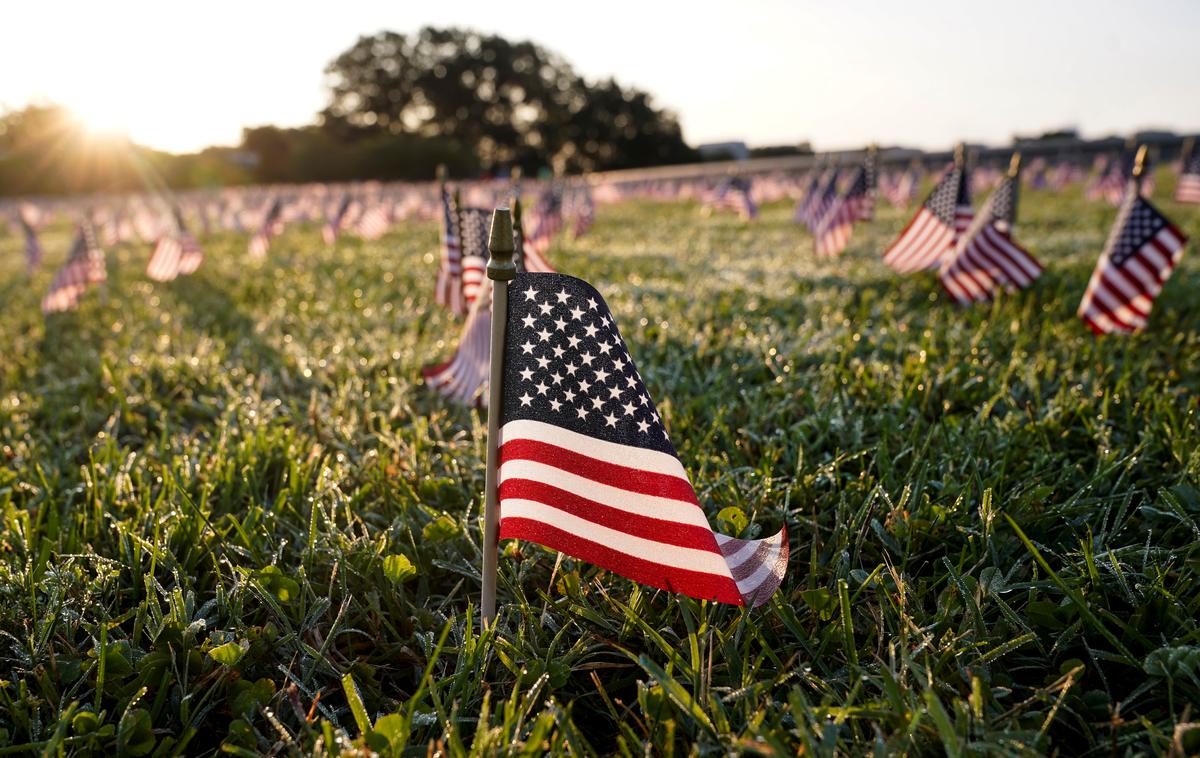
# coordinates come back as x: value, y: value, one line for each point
x: 839, y: 73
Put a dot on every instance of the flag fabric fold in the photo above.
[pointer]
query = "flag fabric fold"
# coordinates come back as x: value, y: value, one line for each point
x: 586, y: 466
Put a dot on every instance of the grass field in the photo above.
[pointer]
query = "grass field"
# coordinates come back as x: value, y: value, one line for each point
x: 232, y: 519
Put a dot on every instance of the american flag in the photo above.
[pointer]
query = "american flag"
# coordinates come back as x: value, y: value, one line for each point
x: 582, y: 211
x: 825, y: 198
x: 546, y: 221
x: 933, y: 231
x: 586, y: 466
x: 870, y: 173
x: 26, y: 217
x: 374, y: 221
x: 333, y: 225
x: 448, y: 292
x: 807, y: 197
x: 260, y: 243
x: 475, y: 225
x: 85, y: 266
x: 733, y: 194
x: 1187, y: 189
x: 1140, y: 255
x: 833, y: 231
x: 987, y: 257
x: 464, y: 378
x: 175, y: 253
x: 902, y: 190
x: 1111, y: 178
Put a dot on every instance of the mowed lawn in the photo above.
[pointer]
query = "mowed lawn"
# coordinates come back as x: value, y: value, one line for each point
x: 233, y: 519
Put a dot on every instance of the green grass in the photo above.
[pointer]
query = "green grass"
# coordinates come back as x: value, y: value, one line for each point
x: 233, y: 520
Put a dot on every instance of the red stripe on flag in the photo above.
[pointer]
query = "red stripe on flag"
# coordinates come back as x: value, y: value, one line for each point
x: 658, y: 530
x: 695, y: 584
x: 611, y: 474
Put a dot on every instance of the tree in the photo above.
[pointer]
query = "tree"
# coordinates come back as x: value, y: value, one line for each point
x: 509, y: 102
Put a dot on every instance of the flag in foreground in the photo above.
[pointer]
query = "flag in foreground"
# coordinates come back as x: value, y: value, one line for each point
x: 987, y: 257
x: 585, y: 464
x: 1140, y: 255
x: 933, y: 231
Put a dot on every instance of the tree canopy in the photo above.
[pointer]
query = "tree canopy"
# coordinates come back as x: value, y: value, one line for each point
x: 509, y: 102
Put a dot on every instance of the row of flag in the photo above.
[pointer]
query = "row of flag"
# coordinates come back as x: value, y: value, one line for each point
x: 585, y: 465
x: 583, y: 462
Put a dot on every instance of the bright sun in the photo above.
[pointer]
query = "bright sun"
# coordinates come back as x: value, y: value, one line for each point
x: 102, y: 117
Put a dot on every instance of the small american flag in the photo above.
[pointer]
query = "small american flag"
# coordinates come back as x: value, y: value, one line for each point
x: 582, y: 211
x: 870, y: 173
x: 733, y: 194
x: 464, y: 378
x: 586, y: 466
x: 475, y: 225
x: 26, y: 217
x: 1187, y: 189
x: 333, y: 225
x: 546, y: 220
x: 1110, y: 181
x: 822, y: 202
x: 448, y: 291
x: 932, y: 232
x: 85, y: 266
x: 260, y: 243
x: 374, y: 221
x: 833, y: 232
x: 986, y: 257
x: 901, y: 190
x: 175, y: 253
x: 1140, y: 255
x: 807, y: 197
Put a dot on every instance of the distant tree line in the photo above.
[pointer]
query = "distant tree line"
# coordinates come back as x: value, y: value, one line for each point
x: 399, y: 105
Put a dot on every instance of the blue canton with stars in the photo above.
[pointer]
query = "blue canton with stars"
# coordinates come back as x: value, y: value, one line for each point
x: 476, y: 226
x: 477, y: 233
x: 1004, y: 203
x: 1140, y: 223
x: 565, y: 364
x: 948, y: 195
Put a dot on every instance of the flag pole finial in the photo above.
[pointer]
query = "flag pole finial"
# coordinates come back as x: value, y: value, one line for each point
x: 1139, y: 162
x: 501, y: 270
x: 441, y: 173
x: 500, y: 264
x: 1014, y: 165
x: 960, y: 154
